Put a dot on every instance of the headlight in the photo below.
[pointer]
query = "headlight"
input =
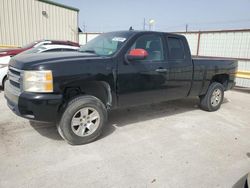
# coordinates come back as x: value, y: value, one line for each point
x: 3, y: 65
x: 38, y: 81
x: 3, y: 53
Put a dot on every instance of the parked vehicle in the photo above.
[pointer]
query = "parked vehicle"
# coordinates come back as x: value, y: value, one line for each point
x: 45, y: 46
x: 116, y: 69
x: 4, y: 62
x: 15, y: 51
x: 50, y: 48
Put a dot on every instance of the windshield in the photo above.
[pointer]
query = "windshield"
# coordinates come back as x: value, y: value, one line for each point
x: 105, y: 44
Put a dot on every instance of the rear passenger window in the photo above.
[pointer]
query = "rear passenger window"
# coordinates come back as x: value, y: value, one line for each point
x: 176, y: 48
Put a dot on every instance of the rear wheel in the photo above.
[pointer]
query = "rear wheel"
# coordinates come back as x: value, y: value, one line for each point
x: 83, y: 120
x: 212, y: 100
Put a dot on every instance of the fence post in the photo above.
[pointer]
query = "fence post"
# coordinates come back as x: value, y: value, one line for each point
x: 198, y: 43
x: 86, y: 37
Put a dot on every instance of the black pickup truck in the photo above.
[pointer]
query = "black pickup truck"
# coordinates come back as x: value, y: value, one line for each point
x: 117, y: 69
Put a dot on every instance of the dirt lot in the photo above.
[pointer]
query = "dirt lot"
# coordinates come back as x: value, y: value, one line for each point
x: 173, y: 144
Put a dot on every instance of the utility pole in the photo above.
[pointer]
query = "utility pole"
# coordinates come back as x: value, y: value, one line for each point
x: 186, y: 27
x: 84, y: 27
x: 144, y: 24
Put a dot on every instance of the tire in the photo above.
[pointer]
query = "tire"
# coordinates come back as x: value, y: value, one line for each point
x: 4, y: 81
x: 212, y: 100
x: 91, y: 115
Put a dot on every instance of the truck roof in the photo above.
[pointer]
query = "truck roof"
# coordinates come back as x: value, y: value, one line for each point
x: 142, y: 31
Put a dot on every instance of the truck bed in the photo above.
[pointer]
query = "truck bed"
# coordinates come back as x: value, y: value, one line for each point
x: 204, y: 70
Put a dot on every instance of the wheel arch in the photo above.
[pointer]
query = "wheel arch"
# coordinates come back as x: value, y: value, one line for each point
x: 98, y: 89
x: 220, y: 78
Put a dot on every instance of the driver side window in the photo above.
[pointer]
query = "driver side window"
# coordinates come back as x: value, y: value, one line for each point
x: 152, y: 44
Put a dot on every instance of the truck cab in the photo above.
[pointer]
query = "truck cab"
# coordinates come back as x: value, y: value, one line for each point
x: 165, y: 74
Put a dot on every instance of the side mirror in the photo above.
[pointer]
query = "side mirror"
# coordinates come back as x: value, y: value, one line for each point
x: 137, y: 54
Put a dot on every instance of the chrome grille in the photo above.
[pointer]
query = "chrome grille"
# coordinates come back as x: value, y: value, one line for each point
x: 14, y: 76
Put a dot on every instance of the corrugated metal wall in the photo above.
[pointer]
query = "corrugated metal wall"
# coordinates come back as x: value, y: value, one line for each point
x: 22, y: 21
x: 85, y: 37
x: 193, y: 41
x: 225, y: 44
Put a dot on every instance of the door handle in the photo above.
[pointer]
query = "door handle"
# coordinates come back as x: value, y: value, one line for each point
x: 161, y: 70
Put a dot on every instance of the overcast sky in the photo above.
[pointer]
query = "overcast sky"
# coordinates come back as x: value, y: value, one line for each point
x: 169, y: 15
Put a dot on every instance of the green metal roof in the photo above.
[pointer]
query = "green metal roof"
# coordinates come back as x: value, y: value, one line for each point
x: 59, y: 5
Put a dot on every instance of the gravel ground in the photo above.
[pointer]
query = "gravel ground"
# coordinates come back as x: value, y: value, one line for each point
x: 172, y: 144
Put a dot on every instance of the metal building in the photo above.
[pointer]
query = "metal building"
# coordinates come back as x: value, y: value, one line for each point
x: 85, y: 37
x: 24, y: 21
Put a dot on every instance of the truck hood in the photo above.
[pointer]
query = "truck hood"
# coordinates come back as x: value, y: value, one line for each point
x: 39, y: 61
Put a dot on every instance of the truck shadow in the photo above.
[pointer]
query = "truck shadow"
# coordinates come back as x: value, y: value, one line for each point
x: 126, y: 116
x: 48, y: 130
x: 122, y: 117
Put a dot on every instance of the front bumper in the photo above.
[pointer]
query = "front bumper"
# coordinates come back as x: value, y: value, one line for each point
x: 33, y: 106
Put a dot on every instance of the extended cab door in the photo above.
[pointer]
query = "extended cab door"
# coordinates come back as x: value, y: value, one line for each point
x: 143, y: 81
x: 179, y: 65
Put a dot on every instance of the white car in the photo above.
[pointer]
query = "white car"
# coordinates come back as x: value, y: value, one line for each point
x: 50, y: 48
x: 4, y: 61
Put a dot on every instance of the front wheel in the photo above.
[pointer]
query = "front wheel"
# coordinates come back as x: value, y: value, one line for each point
x: 212, y: 100
x: 83, y: 120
